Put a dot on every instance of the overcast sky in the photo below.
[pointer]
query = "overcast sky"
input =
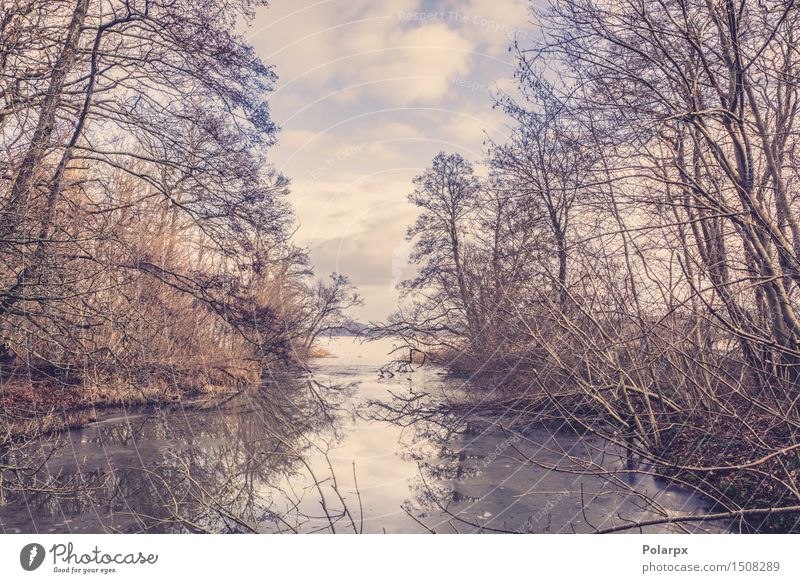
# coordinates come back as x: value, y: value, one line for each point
x: 368, y: 93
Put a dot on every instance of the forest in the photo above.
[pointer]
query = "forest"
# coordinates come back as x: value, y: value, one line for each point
x: 145, y: 242
x: 624, y: 266
x: 628, y: 262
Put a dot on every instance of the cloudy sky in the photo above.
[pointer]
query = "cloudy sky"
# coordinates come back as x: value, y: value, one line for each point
x: 368, y: 93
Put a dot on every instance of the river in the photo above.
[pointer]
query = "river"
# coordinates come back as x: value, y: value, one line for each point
x: 345, y: 449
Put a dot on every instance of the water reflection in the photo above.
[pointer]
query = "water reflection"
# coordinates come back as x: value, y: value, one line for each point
x: 348, y: 450
x: 539, y: 480
x: 513, y: 474
x: 220, y: 470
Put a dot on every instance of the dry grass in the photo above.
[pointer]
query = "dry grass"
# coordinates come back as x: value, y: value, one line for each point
x: 33, y: 405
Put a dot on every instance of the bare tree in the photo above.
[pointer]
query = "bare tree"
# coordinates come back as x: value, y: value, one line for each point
x: 446, y: 193
x: 328, y: 307
x: 648, y: 189
x: 145, y: 241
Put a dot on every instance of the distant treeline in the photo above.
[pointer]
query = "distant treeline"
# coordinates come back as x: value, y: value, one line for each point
x: 633, y: 252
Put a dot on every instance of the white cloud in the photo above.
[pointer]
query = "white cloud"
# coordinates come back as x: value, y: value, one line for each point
x: 366, y: 97
x: 418, y: 63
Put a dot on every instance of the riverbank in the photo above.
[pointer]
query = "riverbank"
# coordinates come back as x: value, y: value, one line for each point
x: 37, y: 402
x: 41, y: 399
x: 267, y: 458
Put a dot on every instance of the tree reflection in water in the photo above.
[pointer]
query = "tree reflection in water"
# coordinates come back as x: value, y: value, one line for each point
x: 265, y: 461
x: 240, y: 467
x: 519, y: 473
